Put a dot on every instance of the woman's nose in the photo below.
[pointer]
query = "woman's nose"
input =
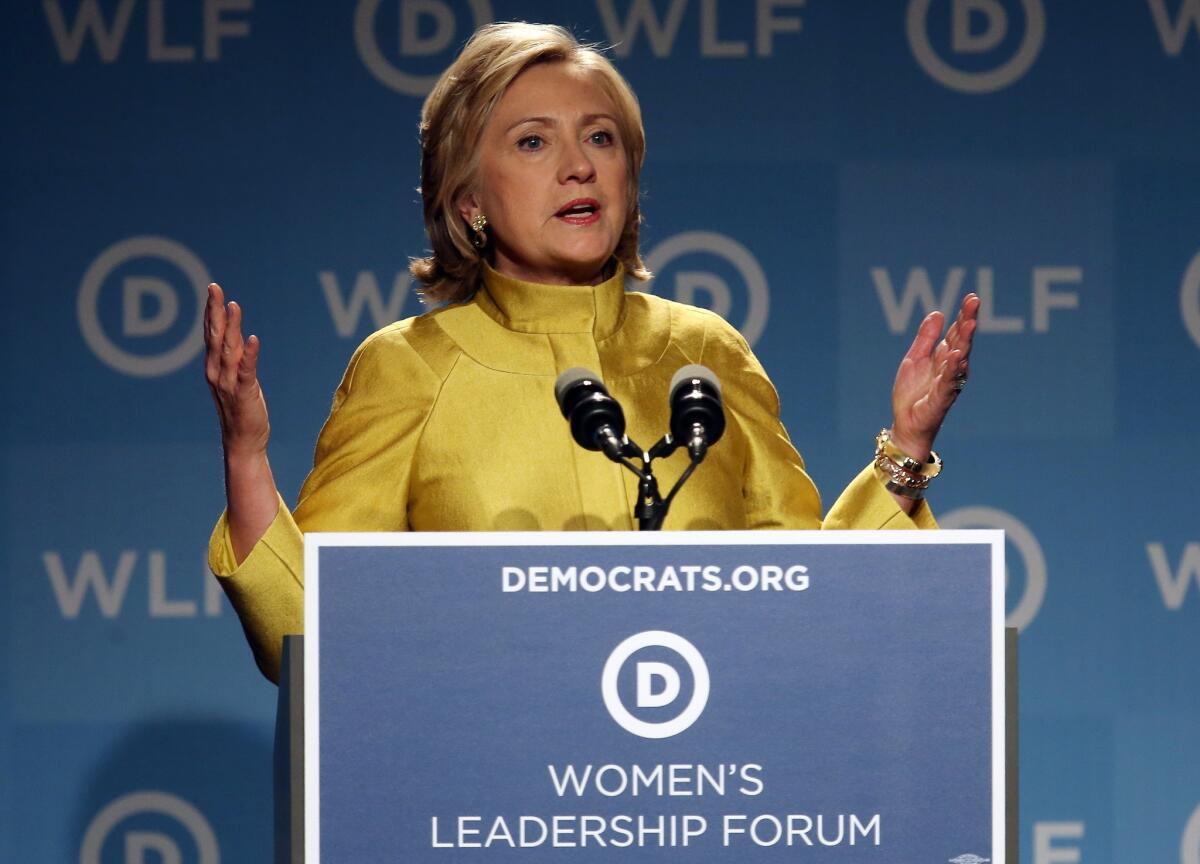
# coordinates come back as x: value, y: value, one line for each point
x: 576, y: 166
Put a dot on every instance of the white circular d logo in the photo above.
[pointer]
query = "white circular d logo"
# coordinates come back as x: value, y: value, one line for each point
x: 139, y: 843
x: 690, y: 283
x: 1027, y: 544
x: 134, y: 289
x: 427, y: 27
x: 965, y: 39
x: 1189, y: 844
x: 658, y: 684
x: 1189, y: 299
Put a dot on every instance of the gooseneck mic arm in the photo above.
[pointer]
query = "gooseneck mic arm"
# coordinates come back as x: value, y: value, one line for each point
x: 598, y: 423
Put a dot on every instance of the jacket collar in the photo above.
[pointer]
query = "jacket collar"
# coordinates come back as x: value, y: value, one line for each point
x: 527, y: 307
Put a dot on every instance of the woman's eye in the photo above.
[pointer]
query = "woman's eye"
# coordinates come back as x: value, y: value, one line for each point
x: 531, y: 142
x: 601, y: 137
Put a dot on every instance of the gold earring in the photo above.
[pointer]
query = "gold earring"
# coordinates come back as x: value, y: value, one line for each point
x: 478, y: 223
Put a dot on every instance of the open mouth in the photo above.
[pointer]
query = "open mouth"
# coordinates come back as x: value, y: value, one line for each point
x: 582, y: 211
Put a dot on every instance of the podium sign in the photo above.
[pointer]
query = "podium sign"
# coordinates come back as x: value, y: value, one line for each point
x: 683, y: 697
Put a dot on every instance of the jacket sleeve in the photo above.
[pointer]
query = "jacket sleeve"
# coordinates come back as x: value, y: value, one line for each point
x: 865, y: 504
x: 777, y: 491
x: 359, y: 482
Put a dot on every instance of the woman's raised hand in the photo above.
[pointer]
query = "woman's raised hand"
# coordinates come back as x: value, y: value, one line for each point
x: 930, y: 377
x: 230, y: 366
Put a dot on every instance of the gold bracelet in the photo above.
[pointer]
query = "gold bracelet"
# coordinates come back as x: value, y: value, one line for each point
x: 905, y: 492
x: 885, y: 446
x: 896, y: 479
x: 897, y: 474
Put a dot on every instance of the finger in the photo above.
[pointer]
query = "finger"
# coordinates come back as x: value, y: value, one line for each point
x: 248, y: 367
x: 214, y: 313
x: 941, y: 351
x: 214, y: 332
x: 964, y: 336
x: 231, y: 348
x: 951, y: 342
x: 927, y: 335
x: 969, y: 310
x: 948, y: 373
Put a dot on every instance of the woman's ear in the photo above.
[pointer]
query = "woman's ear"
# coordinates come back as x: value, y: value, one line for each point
x: 468, y: 207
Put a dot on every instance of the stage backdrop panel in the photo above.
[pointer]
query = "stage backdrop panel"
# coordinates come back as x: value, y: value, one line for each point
x: 820, y: 172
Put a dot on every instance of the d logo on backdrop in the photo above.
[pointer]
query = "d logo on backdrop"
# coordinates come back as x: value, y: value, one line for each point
x: 136, y: 325
x: 1189, y: 299
x: 966, y: 39
x: 446, y: 37
x: 1018, y: 533
x: 689, y: 284
x: 138, y: 843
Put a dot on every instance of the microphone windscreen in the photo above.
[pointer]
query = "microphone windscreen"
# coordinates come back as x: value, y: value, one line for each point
x: 690, y: 372
x: 569, y: 379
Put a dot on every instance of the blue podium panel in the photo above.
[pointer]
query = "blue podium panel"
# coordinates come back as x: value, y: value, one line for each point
x: 675, y: 697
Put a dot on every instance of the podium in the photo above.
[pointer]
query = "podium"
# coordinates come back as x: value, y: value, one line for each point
x: 703, y: 696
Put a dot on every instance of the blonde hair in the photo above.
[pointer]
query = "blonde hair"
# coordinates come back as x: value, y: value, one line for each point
x: 452, y: 124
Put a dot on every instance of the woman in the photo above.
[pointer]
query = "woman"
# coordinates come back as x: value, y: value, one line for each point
x: 532, y: 147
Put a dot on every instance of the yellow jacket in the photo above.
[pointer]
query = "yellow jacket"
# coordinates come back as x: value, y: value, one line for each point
x: 448, y: 421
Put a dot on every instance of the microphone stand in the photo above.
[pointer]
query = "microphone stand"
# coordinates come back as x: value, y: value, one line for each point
x: 651, y: 508
x: 598, y: 423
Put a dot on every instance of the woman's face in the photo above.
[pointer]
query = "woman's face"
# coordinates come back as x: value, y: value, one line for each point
x: 552, y: 178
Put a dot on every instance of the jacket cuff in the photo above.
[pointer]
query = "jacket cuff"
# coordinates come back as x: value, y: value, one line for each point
x: 867, y: 505
x: 282, y: 541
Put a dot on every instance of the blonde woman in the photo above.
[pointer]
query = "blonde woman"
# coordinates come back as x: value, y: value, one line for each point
x: 532, y: 146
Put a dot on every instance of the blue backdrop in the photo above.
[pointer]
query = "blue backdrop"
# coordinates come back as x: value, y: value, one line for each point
x: 820, y: 172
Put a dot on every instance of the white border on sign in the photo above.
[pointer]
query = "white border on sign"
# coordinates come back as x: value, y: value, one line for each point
x: 312, y: 689
x: 999, y: 704
x: 315, y: 541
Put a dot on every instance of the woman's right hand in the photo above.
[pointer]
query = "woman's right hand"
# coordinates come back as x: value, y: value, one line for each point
x: 230, y: 366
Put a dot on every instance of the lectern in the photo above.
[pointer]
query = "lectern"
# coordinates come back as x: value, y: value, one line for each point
x: 701, y: 696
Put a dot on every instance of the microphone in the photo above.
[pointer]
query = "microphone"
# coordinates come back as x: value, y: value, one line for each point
x: 597, y: 421
x: 697, y: 416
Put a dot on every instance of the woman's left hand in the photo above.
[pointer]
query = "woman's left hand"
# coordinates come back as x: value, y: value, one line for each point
x: 930, y: 377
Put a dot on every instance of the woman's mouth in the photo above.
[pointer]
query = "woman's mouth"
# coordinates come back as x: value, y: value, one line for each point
x: 581, y: 211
